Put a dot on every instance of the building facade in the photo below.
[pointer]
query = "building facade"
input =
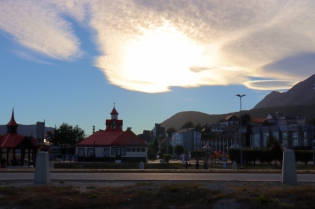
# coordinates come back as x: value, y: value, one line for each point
x: 188, y: 138
x: 112, y: 144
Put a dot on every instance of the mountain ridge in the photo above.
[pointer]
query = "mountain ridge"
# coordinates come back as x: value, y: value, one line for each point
x: 299, y: 100
x: 302, y: 93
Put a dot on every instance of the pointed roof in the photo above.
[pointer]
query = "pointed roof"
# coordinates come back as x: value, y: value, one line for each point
x: 114, y: 112
x: 12, y: 121
x: 12, y: 140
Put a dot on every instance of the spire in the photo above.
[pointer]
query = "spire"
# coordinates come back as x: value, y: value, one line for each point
x: 12, y: 121
x: 12, y: 125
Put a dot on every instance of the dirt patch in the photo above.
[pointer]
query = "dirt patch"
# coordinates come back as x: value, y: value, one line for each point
x: 155, y: 194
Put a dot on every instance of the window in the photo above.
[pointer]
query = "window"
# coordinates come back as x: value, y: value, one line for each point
x: 123, y: 151
x: 113, y: 151
x: 285, y: 142
x: 256, y: 141
x: 284, y: 135
x: 305, y: 142
x: 106, y: 152
x: 133, y: 149
x: 128, y: 149
x: 295, y: 135
x: 90, y: 152
x: 138, y: 149
x: 81, y: 152
x: 118, y: 151
x: 295, y: 142
x: 142, y: 149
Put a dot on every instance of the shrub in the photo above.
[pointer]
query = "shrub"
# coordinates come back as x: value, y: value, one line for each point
x: 167, y: 157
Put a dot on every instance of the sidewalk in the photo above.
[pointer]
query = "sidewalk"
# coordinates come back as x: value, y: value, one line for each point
x: 209, y: 170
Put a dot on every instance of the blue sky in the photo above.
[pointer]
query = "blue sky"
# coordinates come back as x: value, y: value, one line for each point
x: 70, y: 61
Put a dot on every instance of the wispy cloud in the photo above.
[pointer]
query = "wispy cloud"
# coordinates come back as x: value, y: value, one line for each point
x: 150, y: 45
x: 31, y: 58
x: 39, y: 26
x: 187, y: 99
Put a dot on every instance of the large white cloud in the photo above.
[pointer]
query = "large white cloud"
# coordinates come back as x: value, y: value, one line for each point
x: 150, y: 46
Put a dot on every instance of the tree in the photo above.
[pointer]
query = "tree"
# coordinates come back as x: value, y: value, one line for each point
x: 151, y: 153
x: 170, y: 131
x: 272, y: 141
x: 179, y: 149
x: 198, y: 127
x: 188, y: 125
x: 67, y: 135
x: 276, y: 150
x: 155, y: 145
x: 245, y: 119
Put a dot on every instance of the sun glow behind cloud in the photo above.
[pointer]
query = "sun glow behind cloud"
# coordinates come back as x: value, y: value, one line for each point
x: 158, y: 58
x: 151, y: 46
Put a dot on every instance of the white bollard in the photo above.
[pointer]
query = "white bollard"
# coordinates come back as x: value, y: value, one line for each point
x: 289, y: 175
x: 234, y: 166
x: 141, y: 165
x: 42, y: 171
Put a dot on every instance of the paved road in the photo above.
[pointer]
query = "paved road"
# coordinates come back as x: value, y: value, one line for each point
x: 158, y: 176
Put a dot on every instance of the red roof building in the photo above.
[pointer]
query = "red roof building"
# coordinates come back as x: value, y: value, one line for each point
x: 15, y: 147
x: 112, y: 144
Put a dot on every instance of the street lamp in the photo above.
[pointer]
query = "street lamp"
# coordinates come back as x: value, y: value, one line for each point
x: 313, y: 137
x: 240, y: 96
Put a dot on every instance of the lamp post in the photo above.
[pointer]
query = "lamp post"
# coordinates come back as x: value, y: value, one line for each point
x: 313, y: 137
x: 240, y: 96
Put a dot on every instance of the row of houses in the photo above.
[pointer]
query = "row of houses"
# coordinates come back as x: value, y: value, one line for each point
x: 111, y: 144
x: 292, y: 133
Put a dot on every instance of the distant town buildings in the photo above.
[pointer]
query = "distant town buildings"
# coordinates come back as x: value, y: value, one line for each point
x: 158, y: 131
x: 146, y: 136
x: 291, y: 131
x: 188, y: 138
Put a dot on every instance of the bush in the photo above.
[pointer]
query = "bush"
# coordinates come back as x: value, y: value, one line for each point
x: 167, y: 157
x: 303, y: 156
x: 198, y: 154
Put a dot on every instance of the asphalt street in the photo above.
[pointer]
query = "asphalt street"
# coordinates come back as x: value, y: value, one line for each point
x: 68, y: 176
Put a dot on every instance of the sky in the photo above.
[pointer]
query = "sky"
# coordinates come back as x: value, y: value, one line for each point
x: 72, y: 61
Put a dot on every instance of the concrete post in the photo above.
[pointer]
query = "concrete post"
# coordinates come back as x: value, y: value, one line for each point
x: 141, y: 165
x: 42, y: 171
x: 289, y: 175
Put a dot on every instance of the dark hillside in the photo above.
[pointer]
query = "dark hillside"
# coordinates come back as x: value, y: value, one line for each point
x: 302, y: 94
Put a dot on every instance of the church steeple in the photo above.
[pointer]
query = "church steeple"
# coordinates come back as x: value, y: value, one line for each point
x: 12, y: 125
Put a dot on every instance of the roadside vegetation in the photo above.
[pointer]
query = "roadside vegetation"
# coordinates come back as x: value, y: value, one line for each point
x: 160, y: 195
x: 178, y: 165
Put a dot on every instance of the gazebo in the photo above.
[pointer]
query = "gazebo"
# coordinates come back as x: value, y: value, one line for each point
x: 13, y: 144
